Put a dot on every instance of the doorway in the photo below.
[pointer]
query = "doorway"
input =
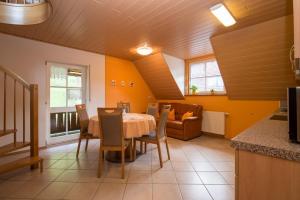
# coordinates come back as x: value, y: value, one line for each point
x: 66, y: 87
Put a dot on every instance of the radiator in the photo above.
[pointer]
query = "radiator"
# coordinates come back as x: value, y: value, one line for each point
x: 214, y: 122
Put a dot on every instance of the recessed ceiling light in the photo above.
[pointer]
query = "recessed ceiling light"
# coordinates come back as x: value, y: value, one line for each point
x: 223, y: 14
x: 144, y: 50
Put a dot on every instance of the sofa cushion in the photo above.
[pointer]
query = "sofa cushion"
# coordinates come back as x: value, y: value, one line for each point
x: 180, y: 109
x: 175, y: 124
x: 186, y: 115
x: 171, y: 115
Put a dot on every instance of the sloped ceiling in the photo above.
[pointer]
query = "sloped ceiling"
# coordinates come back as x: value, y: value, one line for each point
x: 254, y: 61
x: 180, y: 28
x: 157, y: 75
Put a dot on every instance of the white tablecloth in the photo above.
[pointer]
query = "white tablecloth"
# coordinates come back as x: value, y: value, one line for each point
x: 134, y: 125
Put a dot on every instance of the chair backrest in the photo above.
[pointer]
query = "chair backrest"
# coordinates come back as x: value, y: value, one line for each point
x: 166, y: 107
x: 161, y: 128
x: 124, y: 105
x: 83, y: 117
x: 111, y: 126
x: 152, y: 109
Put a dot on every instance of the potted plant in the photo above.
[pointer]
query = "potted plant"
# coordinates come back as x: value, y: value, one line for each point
x: 194, y: 89
x: 212, y: 91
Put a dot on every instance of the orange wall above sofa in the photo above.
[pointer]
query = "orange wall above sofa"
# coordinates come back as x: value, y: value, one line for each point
x: 242, y: 114
x: 123, y: 70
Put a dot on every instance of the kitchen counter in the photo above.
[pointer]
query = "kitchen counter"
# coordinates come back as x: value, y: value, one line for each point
x: 270, y: 138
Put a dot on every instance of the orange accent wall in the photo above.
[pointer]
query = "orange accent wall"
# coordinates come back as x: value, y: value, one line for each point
x: 123, y: 70
x: 242, y: 114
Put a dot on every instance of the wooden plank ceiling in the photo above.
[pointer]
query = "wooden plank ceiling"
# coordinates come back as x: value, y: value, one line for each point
x: 157, y: 75
x: 116, y: 27
x: 254, y: 61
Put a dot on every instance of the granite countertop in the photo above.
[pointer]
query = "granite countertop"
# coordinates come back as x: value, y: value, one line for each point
x: 268, y: 137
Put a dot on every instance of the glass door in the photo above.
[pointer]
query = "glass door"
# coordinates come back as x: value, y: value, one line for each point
x: 67, y: 87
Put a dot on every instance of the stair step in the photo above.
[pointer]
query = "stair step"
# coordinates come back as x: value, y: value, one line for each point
x: 13, y: 147
x: 23, y: 162
x: 7, y: 132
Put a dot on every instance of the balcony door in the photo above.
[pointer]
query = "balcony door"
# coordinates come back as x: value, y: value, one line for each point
x: 66, y: 88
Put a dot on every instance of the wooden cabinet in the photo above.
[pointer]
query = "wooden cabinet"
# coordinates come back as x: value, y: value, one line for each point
x: 260, y: 177
x: 296, y: 5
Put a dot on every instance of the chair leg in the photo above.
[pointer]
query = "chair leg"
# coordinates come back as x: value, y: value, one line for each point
x: 123, y: 163
x: 131, y: 151
x: 134, y: 149
x: 86, y: 144
x: 167, y: 146
x: 159, y: 154
x: 41, y: 165
x: 141, y: 147
x: 78, y: 147
x: 145, y: 147
x: 100, y: 162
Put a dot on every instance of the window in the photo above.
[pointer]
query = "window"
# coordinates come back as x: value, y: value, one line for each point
x: 65, y: 87
x: 205, y: 77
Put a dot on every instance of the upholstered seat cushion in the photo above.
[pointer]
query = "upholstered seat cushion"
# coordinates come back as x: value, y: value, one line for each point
x: 175, y: 124
x: 147, y: 138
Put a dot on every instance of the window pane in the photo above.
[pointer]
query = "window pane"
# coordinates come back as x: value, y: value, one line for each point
x: 197, y: 70
x: 212, y: 69
x: 74, y: 81
x: 58, y: 76
x: 74, y: 97
x: 58, y: 97
x: 215, y: 83
x: 199, y: 83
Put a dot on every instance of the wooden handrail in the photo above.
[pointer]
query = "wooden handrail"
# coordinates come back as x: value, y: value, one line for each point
x: 5, y: 150
x: 15, y: 77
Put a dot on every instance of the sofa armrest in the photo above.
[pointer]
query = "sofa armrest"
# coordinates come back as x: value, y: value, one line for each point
x: 192, y: 127
x: 195, y: 122
x: 190, y: 119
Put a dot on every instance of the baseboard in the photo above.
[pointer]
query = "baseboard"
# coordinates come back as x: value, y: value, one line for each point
x: 214, y: 135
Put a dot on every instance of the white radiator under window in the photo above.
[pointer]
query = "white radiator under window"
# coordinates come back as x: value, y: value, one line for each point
x: 214, y: 122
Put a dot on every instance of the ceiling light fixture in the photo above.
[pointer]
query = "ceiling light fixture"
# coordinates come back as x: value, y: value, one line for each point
x: 25, y: 12
x: 223, y: 14
x: 144, y: 50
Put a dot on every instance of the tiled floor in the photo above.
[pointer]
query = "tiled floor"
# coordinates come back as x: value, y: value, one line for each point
x: 199, y: 169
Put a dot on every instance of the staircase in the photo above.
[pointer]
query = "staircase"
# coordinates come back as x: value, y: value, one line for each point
x: 14, y: 140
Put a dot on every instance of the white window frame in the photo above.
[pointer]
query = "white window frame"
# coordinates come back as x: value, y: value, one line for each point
x: 204, y: 92
x: 85, y: 95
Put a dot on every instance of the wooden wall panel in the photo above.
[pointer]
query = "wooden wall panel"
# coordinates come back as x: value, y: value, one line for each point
x: 156, y: 73
x: 254, y: 61
x: 116, y: 27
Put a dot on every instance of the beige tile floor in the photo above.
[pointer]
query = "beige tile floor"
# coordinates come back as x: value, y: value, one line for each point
x: 199, y: 169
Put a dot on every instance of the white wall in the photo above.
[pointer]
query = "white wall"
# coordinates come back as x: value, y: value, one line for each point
x: 177, y: 69
x: 27, y: 58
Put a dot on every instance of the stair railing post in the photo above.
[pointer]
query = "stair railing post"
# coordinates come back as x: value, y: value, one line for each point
x: 34, y: 117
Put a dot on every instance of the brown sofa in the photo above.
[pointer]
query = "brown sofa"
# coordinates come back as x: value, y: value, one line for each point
x: 189, y: 128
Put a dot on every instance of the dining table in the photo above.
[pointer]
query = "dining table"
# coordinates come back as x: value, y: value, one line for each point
x: 134, y: 125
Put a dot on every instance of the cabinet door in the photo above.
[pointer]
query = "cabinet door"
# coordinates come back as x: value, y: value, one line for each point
x: 296, y: 6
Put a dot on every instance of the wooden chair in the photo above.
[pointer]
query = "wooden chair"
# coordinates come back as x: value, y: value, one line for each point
x: 112, y: 137
x: 167, y: 107
x: 84, y: 123
x: 159, y: 135
x: 152, y: 109
x: 124, y: 105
